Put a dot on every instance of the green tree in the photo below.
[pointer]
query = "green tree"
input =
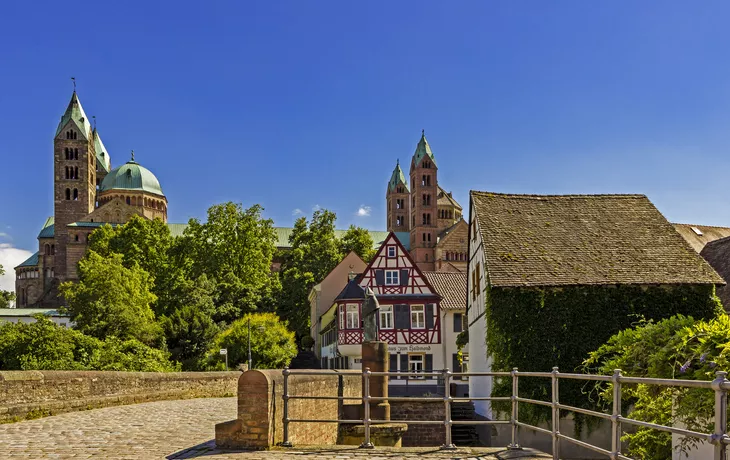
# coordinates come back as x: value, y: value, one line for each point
x: 234, y: 247
x: 677, y: 347
x: 6, y: 297
x: 359, y: 240
x: 315, y: 251
x: 43, y: 345
x: 110, y: 300
x: 272, y: 343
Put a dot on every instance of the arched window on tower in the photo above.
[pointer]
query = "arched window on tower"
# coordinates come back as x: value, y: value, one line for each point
x: 76, y: 194
x: 68, y: 194
x: 53, y: 249
x: 76, y: 154
x: 76, y: 172
x: 48, y: 249
x: 129, y: 201
x: 65, y: 151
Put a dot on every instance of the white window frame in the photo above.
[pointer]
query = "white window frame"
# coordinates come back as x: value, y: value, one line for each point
x: 386, y: 317
x: 416, y: 309
x: 352, y: 316
x: 416, y: 363
x: 341, y: 310
x: 391, y: 252
x: 393, y: 279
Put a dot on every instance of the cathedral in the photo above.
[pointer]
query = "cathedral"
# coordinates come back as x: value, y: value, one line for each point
x: 88, y: 193
x: 430, y: 214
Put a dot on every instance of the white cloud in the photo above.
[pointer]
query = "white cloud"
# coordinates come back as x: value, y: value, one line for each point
x: 10, y: 257
x: 364, y: 211
x: 5, y: 235
x: 316, y: 207
x: 297, y: 212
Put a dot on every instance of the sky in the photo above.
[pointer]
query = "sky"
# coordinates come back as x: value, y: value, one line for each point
x: 299, y: 105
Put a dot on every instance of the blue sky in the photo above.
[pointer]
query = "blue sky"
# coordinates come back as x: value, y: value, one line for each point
x: 295, y: 104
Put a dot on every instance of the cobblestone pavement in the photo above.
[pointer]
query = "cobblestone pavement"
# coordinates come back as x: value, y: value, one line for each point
x: 166, y: 430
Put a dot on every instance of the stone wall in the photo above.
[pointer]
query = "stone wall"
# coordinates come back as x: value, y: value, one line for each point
x: 420, y: 435
x: 260, y: 408
x: 31, y: 394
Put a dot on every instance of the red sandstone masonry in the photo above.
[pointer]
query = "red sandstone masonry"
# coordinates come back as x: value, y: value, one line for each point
x: 30, y: 394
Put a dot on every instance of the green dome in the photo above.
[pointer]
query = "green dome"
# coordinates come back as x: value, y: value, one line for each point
x: 131, y: 176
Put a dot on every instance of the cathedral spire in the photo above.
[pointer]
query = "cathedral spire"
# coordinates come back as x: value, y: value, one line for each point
x: 397, y: 178
x: 422, y: 150
x: 75, y: 114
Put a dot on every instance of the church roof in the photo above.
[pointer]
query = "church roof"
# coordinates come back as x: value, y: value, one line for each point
x: 131, y: 176
x: 31, y: 261
x: 74, y: 112
x: 445, y: 199
x: 699, y: 235
x: 48, y: 229
x: 102, y: 154
x: 560, y: 240
x: 397, y: 178
x: 422, y: 149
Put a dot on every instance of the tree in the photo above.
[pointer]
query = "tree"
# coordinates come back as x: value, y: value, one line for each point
x: 234, y: 247
x: 272, y: 343
x: 677, y: 347
x: 43, y: 345
x: 314, y: 252
x: 6, y: 297
x: 110, y: 300
x: 359, y: 240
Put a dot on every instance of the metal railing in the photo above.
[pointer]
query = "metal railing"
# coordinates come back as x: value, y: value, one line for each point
x: 719, y: 438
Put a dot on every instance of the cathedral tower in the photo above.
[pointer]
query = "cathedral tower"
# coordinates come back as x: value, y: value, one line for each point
x: 424, y: 193
x: 398, y: 201
x: 74, y: 177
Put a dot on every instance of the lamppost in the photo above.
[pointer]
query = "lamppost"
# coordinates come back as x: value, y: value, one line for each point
x: 261, y: 328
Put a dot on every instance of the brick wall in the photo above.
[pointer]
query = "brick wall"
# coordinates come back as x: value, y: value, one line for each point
x: 420, y: 435
x: 260, y: 408
x: 27, y: 394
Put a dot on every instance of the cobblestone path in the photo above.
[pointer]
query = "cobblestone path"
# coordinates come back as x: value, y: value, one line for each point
x: 166, y: 430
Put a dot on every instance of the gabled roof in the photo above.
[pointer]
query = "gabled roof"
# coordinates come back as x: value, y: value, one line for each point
x: 717, y: 254
x: 422, y: 150
x: 445, y: 199
x: 450, y: 229
x: 558, y: 240
x: 397, y: 178
x: 352, y: 291
x: 451, y: 287
x: 74, y: 112
x: 102, y: 154
x: 31, y: 261
x: 699, y: 235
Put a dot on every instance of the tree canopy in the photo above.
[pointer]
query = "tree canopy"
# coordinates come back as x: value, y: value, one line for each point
x: 272, y: 343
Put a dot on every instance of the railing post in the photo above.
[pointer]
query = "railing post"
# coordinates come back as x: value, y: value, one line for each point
x: 718, y: 438
x: 616, y: 415
x: 366, y: 409
x: 448, y: 445
x: 515, y: 409
x: 285, y: 396
x: 556, y: 414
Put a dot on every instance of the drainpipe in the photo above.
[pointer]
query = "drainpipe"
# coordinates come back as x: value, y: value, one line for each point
x: 443, y: 341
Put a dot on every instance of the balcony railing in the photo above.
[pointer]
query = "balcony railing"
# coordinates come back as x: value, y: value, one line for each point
x: 719, y: 438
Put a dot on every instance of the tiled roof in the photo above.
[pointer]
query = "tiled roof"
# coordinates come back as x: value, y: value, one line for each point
x: 31, y: 261
x: 451, y: 287
x: 533, y: 240
x: 699, y: 235
x: 102, y: 154
x: 445, y: 199
x: 717, y: 254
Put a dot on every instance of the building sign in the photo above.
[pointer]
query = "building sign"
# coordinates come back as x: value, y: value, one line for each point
x: 408, y: 348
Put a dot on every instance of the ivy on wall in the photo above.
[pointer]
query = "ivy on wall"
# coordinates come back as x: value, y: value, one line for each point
x: 537, y: 328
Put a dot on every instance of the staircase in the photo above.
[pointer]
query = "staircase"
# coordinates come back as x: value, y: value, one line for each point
x: 463, y: 435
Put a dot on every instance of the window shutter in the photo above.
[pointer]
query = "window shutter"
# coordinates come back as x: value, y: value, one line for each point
x: 393, y: 366
x: 380, y: 277
x: 429, y: 316
x: 457, y: 322
x: 456, y: 367
x: 402, y: 320
x: 404, y: 363
x: 404, y: 277
x: 429, y: 363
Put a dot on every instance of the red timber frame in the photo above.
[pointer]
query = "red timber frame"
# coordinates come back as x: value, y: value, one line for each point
x: 418, y: 291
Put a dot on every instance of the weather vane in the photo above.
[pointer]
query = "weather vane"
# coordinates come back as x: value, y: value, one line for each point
x: 132, y: 154
x: 73, y: 79
x: 94, y: 117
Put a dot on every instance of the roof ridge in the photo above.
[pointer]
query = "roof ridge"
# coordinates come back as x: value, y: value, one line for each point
x: 574, y: 195
x: 698, y: 225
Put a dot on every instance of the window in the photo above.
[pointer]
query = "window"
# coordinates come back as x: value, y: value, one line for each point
x: 458, y: 322
x: 76, y: 194
x: 342, y: 317
x: 386, y: 317
x: 418, y: 317
x: 353, y: 316
x: 476, y: 278
x: 399, y: 221
x: 391, y: 251
x: 415, y: 364
x: 68, y: 194
x: 391, y: 278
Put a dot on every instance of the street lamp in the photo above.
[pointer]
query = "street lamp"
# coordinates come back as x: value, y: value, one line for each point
x: 250, y: 361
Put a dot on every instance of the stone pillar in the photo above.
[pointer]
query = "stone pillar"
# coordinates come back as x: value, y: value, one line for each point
x: 375, y: 357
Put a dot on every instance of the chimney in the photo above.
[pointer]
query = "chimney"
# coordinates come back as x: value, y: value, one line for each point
x: 351, y: 276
